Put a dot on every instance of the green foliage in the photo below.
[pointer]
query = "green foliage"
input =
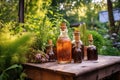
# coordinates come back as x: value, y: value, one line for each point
x: 13, y: 48
x: 43, y: 21
x: 83, y: 33
x: 14, y: 51
x: 15, y: 71
x: 44, y: 30
x: 108, y: 49
x: 7, y: 8
x: 37, y: 7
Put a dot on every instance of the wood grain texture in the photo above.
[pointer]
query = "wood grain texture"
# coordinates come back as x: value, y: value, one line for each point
x: 87, y: 70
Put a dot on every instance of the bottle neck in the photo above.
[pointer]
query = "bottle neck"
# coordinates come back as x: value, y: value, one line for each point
x: 78, y: 44
x: 63, y: 33
x: 77, y: 39
x: 51, y: 47
x: 90, y: 42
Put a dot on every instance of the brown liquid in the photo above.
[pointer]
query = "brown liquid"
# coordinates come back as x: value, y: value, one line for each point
x: 77, y: 55
x: 92, y: 53
x: 51, y: 55
x: 55, y: 52
x: 64, y: 50
x: 82, y: 50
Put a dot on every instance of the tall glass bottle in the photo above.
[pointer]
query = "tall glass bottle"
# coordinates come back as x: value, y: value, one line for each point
x: 92, y: 53
x: 76, y: 38
x: 77, y: 48
x: 64, y: 45
x: 50, y: 51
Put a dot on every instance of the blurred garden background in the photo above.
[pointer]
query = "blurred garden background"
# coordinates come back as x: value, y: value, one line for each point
x: 27, y: 25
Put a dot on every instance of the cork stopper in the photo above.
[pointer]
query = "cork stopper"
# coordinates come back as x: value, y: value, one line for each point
x: 50, y: 42
x: 63, y: 26
x: 77, y: 35
x: 90, y: 37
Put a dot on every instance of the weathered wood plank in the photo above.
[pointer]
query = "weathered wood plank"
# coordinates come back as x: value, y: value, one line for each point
x: 33, y: 74
x: 38, y: 74
x: 94, y: 70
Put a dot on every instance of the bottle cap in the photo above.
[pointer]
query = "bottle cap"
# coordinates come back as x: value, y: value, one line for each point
x: 90, y: 37
x: 63, y: 26
x: 50, y: 42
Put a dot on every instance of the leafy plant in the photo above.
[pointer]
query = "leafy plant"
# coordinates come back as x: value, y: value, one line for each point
x: 108, y: 49
x: 16, y: 71
x: 7, y: 10
x: 83, y: 33
x: 13, y: 49
x: 44, y: 30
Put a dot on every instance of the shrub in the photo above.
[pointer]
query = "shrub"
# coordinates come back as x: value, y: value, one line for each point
x: 13, y: 49
x: 108, y: 49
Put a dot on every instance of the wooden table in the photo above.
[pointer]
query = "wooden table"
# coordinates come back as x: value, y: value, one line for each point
x: 87, y: 70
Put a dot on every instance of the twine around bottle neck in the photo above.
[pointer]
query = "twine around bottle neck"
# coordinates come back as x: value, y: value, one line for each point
x: 90, y: 42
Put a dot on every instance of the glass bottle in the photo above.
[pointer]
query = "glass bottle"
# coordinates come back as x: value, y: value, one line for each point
x: 92, y: 53
x: 77, y: 50
x: 64, y: 45
x: 50, y: 51
x: 76, y: 37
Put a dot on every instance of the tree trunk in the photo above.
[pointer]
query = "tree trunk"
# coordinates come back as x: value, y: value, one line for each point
x: 111, y: 17
x: 21, y: 11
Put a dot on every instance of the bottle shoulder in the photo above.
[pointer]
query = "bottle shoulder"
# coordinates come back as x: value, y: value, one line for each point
x: 77, y: 50
x: 92, y: 47
x: 60, y: 38
x: 73, y: 42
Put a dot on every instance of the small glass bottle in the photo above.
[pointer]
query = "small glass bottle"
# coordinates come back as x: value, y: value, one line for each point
x: 92, y: 53
x: 76, y: 37
x: 77, y: 48
x: 64, y: 45
x: 50, y: 51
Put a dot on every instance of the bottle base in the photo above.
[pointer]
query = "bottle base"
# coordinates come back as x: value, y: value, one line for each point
x: 64, y: 62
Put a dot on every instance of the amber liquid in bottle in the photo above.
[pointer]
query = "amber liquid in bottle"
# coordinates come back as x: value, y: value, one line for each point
x: 64, y: 47
x: 92, y: 53
x: 64, y: 51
